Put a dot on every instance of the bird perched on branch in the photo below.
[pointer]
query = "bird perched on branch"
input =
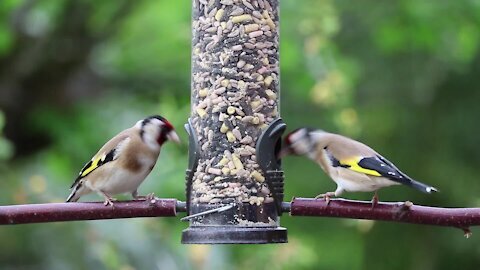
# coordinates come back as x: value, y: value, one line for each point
x: 124, y: 161
x: 352, y: 165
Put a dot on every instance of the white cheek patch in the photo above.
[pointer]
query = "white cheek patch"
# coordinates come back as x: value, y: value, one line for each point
x: 299, y: 135
x: 300, y: 142
x: 301, y: 147
x: 151, y: 132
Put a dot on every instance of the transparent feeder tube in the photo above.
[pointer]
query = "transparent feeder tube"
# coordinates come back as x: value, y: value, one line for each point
x: 235, y: 103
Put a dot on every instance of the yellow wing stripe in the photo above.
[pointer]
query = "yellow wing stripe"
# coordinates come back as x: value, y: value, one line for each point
x: 92, y: 167
x: 353, y: 163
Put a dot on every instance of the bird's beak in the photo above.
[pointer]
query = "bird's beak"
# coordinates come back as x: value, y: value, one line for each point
x: 285, y: 151
x: 173, y: 136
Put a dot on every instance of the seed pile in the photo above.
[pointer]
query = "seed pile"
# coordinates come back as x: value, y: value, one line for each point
x: 235, y: 96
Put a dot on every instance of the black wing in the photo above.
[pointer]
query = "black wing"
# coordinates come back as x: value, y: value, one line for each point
x: 94, y: 164
x: 385, y: 168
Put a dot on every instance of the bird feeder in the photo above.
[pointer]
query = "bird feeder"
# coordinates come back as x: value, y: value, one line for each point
x: 234, y: 180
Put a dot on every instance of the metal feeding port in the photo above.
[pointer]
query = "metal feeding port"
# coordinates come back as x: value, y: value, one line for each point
x: 234, y: 180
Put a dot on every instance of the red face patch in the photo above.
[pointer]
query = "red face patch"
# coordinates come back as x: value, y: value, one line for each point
x: 168, y: 124
x: 287, y: 139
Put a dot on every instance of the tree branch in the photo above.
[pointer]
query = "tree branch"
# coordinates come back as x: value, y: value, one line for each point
x: 50, y: 212
x: 406, y: 212
x: 461, y: 218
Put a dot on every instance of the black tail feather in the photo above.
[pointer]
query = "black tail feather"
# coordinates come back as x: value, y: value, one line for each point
x: 421, y: 187
x: 72, y: 197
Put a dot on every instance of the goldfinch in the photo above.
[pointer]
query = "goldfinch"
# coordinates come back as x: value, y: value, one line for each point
x: 124, y: 161
x: 352, y: 165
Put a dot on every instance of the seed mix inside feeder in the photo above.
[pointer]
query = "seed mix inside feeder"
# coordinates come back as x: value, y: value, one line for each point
x: 235, y: 127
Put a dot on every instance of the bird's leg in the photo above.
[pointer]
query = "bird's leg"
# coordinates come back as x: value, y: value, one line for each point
x: 326, y: 196
x: 375, y: 199
x: 337, y: 193
x: 148, y: 197
x: 108, y: 199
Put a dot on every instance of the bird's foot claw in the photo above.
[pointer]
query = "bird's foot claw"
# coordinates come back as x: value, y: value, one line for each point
x: 148, y: 197
x: 151, y: 198
x: 109, y: 201
x: 325, y: 196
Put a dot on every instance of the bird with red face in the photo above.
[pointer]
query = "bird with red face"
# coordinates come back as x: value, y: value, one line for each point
x: 352, y: 165
x: 122, y: 164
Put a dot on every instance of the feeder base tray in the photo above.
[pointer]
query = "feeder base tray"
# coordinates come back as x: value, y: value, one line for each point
x: 234, y: 235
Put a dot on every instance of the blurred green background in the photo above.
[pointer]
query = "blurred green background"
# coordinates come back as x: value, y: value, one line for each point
x: 401, y: 76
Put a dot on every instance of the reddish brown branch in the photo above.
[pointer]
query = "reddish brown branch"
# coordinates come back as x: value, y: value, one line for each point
x: 461, y: 218
x: 50, y: 212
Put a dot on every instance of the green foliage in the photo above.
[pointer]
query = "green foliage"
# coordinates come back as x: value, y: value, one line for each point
x: 5, y: 40
x: 446, y: 29
x: 401, y: 76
